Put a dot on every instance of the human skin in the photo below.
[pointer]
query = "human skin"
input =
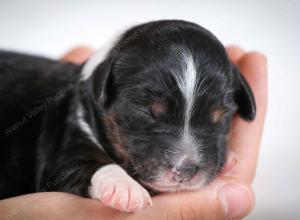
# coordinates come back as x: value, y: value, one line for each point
x: 228, y: 197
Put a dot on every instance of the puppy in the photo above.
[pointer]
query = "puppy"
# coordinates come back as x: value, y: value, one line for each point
x: 152, y: 114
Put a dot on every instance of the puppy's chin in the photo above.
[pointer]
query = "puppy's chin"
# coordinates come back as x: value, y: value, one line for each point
x: 165, y: 184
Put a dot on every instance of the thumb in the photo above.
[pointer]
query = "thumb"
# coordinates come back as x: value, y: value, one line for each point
x: 236, y: 199
x: 223, y: 199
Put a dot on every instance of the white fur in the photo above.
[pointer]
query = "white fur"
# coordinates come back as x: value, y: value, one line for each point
x: 181, y: 160
x: 85, y: 127
x: 101, y: 54
x: 187, y: 83
x: 115, y: 188
x: 93, y: 62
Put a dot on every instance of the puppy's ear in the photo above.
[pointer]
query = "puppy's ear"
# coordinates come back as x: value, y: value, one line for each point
x: 243, y: 96
x: 100, y: 82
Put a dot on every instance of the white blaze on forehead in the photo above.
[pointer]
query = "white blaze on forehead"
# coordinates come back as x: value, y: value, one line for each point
x: 187, y: 83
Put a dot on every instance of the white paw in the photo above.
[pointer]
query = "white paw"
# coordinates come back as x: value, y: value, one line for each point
x: 115, y: 188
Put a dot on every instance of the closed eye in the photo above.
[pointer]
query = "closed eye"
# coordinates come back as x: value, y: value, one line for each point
x: 218, y: 114
x: 158, y: 109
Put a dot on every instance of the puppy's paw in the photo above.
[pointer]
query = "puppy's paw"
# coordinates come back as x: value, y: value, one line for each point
x: 115, y: 188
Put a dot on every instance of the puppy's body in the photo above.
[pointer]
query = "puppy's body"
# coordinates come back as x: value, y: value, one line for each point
x: 159, y: 105
x: 28, y: 88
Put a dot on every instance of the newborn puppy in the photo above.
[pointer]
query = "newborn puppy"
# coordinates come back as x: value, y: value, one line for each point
x: 153, y: 112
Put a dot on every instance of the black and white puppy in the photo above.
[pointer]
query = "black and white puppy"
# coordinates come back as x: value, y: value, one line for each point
x: 153, y: 112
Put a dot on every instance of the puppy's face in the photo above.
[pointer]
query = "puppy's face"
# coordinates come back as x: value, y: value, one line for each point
x: 169, y: 98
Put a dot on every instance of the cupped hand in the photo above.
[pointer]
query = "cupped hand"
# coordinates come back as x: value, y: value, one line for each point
x: 228, y: 197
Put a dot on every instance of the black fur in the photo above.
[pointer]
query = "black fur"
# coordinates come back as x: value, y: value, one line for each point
x: 44, y: 149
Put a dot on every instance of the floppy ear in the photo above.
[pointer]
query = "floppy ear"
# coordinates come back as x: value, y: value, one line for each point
x: 243, y: 96
x: 100, y: 80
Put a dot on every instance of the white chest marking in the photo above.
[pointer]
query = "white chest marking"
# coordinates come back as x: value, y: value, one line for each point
x: 85, y: 127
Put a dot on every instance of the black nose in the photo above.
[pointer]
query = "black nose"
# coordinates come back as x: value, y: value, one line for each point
x: 184, y: 172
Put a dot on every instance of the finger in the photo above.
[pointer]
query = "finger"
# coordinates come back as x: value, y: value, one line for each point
x: 235, y: 53
x: 57, y: 206
x: 246, y: 136
x: 78, y: 55
x: 220, y: 200
x: 213, y: 202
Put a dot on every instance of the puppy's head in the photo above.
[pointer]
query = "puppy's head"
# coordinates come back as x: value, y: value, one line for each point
x: 169, y: 93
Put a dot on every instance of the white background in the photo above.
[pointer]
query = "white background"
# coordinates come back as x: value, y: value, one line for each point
x: 52, y: 27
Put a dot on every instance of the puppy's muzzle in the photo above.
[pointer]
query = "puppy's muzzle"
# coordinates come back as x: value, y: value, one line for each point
x: 184, y: 171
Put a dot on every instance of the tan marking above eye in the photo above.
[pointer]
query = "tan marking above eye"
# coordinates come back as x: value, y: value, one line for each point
x: 158, y: 108
x: 218, y: 114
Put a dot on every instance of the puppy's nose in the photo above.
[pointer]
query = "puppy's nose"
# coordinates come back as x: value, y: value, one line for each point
x: 184, y: 172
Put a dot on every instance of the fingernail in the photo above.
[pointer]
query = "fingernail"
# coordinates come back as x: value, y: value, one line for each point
x: 237, y: 200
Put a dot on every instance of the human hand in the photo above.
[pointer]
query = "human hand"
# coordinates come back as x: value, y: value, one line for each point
x: 228, y: 197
